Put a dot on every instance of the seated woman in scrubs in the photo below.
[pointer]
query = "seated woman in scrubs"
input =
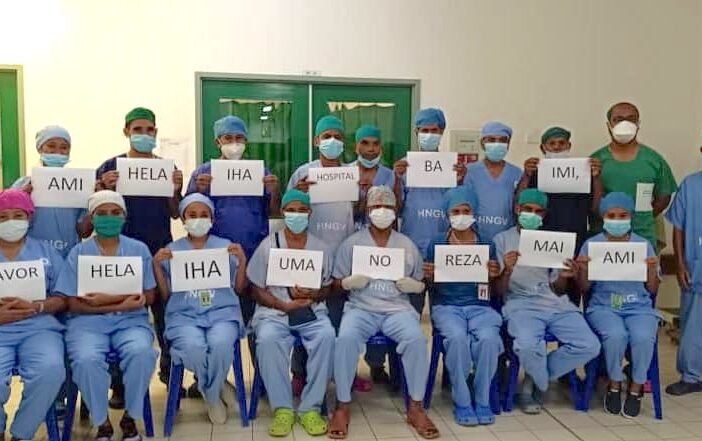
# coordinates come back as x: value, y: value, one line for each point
x: 100, y: 323
x: 621, y: 312
x: 462, y: 314
x: 31, y: 337
x: 202, y: 325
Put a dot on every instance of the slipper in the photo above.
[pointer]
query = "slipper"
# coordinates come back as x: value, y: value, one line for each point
x: 282, y: 424
x: 362, y: 385
x: 339, y: 425
x: 485, y: 415
x: 465, y: 416
x: 419, y: 420
x: 313, y: 423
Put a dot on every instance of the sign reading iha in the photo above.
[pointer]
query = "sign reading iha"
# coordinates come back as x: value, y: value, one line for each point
x: 200, y: 269
x: 237, y: 177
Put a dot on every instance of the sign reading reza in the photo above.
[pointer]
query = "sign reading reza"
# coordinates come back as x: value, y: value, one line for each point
x: 333, y: 184
x: 545, y: 249
x: 25, y: 280
x: 237, y: 177
x: 461, y: 263
x: 110, y: 275
x: 145, y: 177
x: 200, y: 269
x: 564, y: 175
x: 431, y: 169
x: 617, y: 261
x: 62, y: 187
x: 378, y: 263
x: 289, y: 267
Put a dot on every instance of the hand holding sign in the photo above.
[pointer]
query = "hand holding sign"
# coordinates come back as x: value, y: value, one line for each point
x: 571, y: 175
x: 545, y: 249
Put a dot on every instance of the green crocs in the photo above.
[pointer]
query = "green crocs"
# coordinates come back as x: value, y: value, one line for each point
x: 282, y: 424
x: 313, y: 423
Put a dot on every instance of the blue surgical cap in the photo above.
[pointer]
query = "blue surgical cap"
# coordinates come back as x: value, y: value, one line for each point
x: 329, y: 122
x: 50, y: 132
x: 429, y: 117
x: 495, y: 128
x: 460, y: 196
x: 195, y: 197
x: 616, y: 199
x: 230, y: 125
x: 295, y: 195
x: 367, y: 131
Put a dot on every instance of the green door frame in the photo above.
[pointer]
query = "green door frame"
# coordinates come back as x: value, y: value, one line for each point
x: 12, y: 123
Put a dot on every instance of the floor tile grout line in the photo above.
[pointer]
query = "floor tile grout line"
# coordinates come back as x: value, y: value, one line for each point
x: 548, y: 412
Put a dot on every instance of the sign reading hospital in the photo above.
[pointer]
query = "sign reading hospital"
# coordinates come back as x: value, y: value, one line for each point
x: 145, y: 177
x: 24, y: 280
x: 62, y: 187
x: 200, y: 269
x: 289, y: 267
x: 461, y: 263
x: 545, y: 249
x: 617, y: 261
x: 431, y: 169
x: 378, y: 263
x: 333, y: 184
x: 564, y: 175
x: 115, y: 275
x: 237, y: 177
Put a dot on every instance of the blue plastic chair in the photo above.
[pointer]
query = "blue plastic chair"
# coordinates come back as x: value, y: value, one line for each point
x: 175, y: 382
x: 72, y: 398
x: 50, y: 420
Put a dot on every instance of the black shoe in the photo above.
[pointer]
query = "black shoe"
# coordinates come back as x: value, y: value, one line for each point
x: 193, y: 391
x: 129, y: 428
x: 683, y: 388
x: 379, y: 376
x: 632, y: 405
x: 105, y: 432
x: 84, y: 412
x: 613, y: 402
x: 164, y: 376
x: 117, y: 399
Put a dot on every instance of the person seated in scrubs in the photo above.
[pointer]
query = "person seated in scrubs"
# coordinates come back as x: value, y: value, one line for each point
x: 380, y: 306
x: 536, y: 303
x: 284, y: 313
x: 101, y: 323
x: 202, y: 325
x: 31, y: 337
x: 621, y: 312
x: 462, y: 314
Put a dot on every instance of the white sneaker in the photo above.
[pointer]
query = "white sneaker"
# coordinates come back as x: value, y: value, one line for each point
x: 217, y: 413
x: 228, y: 395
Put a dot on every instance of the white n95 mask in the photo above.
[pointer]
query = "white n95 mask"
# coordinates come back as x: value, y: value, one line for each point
x: 234, y: 150
x: 382, y: 218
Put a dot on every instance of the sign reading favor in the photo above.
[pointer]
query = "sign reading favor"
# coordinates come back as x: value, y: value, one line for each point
x: 378, y: 263
x: 461, y: 263
x: 62, y: 187
x: 110, y: 275
x: 145, y: 177
x: 333, y: 184
x: 237, y: 177
x: 431, y: 169
x: 564, y: 175
x: 200, y: 269
x: 288, y: 267
x: 545, y: 249
x: 617, y: 261
x: 24, y: 280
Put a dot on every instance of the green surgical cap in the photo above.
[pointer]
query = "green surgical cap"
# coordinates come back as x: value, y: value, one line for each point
x: 533, y: 196
x: 555, y: 132
x: 328, y: 122
x: 295, y: 195
x: 367, y: 131
x: 139, y: 113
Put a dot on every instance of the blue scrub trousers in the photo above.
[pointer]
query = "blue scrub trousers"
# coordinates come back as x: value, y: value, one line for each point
x: 619, y: 330
x: 88, y: 349
x: 39, y: 359
x: 357, y: 326
x: 471, y: 341
x: 207, y: 352
x: 689, y: 362
x: 274, y: 341
x: 578, y: 344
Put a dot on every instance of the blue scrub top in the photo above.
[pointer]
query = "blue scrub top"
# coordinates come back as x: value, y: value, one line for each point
x: 34, y: 249
x: 384, y: 176
x: 685, y: 213
x: 423, y: 216
x: 68, y: 285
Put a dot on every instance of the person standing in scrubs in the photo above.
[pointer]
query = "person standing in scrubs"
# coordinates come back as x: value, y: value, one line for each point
x: 31, y: 337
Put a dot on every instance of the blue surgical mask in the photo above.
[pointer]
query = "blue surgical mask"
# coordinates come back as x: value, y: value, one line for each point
x: 530, y: 221
x: 331, y: 148
x: 617, y: 227
x: 296, y: 222
x: 496, y: 151
x: 368, y: 163
x: 143, y: 143
x: 54, y: 159
x: 429, y: 142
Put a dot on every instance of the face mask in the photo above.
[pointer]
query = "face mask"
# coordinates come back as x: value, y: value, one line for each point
x: 331, y: 148
x: 429, y: 142
x: 143, y: 143
x: 462, y: 222
x: 496, y: 151
x: 382, y: 218
x: 13, y: 230
x: 54, y: 159
x: 368, y: 163
x: 234, y: 150
x: 557, y: 155
x: 530, y: 221
x: 296, y: 222
x: 624, y: 132
x: 617, y: 227
x: 198, y: 227
x: 108, y: 225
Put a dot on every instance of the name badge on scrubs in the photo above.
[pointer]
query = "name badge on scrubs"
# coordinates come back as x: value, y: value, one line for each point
x: 617, y: 301
x: 483, y: 292
x: 205, y: 296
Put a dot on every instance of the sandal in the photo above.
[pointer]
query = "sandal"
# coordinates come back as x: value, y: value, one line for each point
x: 485, y: 415
x: 418, y: 419
x: 465, y: 416
x: 362, y: 385
x: 339, y: 424
x: 282, y: 424
x: 313, y: 423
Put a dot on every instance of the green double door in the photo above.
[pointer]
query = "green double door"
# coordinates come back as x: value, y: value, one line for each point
x: 9, y: 127
x: 280, y: 117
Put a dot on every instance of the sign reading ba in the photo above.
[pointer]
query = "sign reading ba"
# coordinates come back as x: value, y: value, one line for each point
x: 237, y: 177
x: 431, y: 169
x: 25, y: 280
x: 461, y: 263
x: 617, y: 261
x: 564, y: 175
x: 145, y: 177
x: 62, y: 187
x: 545, y: 249
x: 289, y: 267
x: 115, y: 275
x: 333, y: 184
x: 378, y: 263
x: 200, y: 269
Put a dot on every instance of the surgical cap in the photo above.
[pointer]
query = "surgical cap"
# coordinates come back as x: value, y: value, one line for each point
x: 555, y: 132
x: 195, y: 197
x: 367, y: 131
x: 380, y: 195
x: 533, y: 196
x: 616, y: 199
x: 460, y: 196
x: 50, y: 132
x: 494, y: 128
x: 105, y: 197
x: 295, y: 195
x: 139, y: 113
x: 429, y: 117
x: 329, y: 122
x: 15, y: 198
x: 230, y: 125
